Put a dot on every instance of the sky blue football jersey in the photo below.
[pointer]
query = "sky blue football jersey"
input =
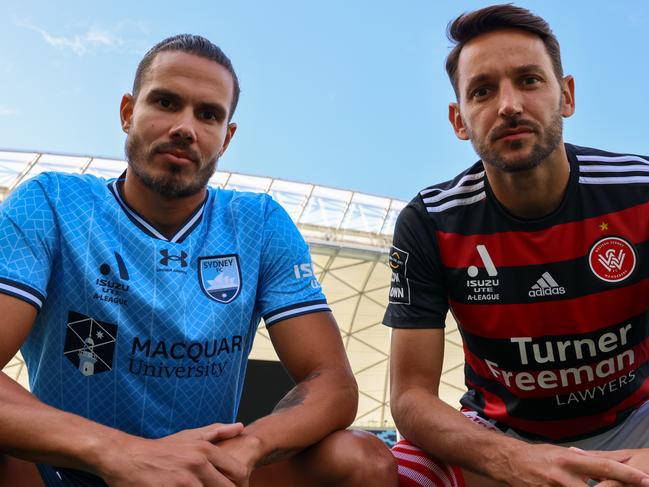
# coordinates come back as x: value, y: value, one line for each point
x: 141, y: 332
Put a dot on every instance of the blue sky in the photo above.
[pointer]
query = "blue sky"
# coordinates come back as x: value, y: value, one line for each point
x: 344, y: 93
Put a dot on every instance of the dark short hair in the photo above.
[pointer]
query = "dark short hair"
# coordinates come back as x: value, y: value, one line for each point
x: 190, y: 44
x: 470, y: 25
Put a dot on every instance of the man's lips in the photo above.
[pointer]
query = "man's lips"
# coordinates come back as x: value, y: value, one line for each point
x: 512, y: 134
x: 178, y: 157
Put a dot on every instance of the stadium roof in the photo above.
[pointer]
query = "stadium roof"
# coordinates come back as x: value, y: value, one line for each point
x: 307, y: 204
x: 349, y: 234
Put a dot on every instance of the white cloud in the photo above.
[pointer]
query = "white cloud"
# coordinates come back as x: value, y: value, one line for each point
x: 79, y: 44
x: 221, y: 281
x: 6, y: 112
x: 102, y: 37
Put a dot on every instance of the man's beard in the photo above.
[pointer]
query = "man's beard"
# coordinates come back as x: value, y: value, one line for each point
x: 548, y: 142
x: 170, y: 184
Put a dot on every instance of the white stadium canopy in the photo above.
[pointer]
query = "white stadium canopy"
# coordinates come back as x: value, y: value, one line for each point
x: 349, y: 234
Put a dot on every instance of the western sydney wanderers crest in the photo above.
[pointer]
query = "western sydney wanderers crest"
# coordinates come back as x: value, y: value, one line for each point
x: 220, y: 277
x: 90, y: 344
x: 612, y: 259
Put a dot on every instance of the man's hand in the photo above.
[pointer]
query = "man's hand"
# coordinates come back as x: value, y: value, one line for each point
x: 543, y: 465
x: 634, y: 458
x: 187, y: 458
x: 245, y: 448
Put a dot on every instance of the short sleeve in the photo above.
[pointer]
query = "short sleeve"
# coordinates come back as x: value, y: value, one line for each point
x: 28, y: 236
x: 417, y: 297
x: 289, y: 286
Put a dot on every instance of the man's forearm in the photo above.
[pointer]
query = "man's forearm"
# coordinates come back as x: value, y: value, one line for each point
x: 446, y: 434
x: 34, y: 431
x: 323, y: 402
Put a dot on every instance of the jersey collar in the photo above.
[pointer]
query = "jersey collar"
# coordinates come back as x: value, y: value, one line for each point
x: 192, y: 222
x: 542, y: 222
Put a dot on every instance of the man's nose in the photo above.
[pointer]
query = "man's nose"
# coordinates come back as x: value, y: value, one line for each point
x: 510, y: 101
x: 183, y: 127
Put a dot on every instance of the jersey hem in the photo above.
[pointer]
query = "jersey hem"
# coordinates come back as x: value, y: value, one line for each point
x: 414, y: 324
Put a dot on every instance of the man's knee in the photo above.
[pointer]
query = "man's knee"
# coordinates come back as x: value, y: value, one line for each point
x: 357, y: 458
x: 342, y: 459
x: 14, y: 471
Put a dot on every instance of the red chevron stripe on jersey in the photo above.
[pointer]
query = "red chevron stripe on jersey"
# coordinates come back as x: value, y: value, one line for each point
x: 581, y: 315
x: 559, y: 429
x: 558, y: 243
x: 564, y: 379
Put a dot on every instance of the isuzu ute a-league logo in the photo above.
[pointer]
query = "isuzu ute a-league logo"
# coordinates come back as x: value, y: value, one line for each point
x: 483, y: 289
x: 90, y: 344
x: 112, y: 286
x: 612, y: 259
x: 220, y: 277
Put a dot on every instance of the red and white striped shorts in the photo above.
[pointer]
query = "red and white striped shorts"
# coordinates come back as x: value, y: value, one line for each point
x: 417, y: 469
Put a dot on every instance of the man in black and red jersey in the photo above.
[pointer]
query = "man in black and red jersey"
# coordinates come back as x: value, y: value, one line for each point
x: 541, y: 251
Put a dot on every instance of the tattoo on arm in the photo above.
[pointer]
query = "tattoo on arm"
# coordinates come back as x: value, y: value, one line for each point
x: 295, y: 396
x: 278, y: 455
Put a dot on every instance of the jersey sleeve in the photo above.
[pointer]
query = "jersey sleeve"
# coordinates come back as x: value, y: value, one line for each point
x: 28, y: 239
x: 289, y: 286
x: 418, y: 297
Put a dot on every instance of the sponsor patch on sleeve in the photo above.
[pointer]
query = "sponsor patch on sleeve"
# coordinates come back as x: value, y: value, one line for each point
x: 398, y: 260
x: 399, y: 290
x: 399, y: 285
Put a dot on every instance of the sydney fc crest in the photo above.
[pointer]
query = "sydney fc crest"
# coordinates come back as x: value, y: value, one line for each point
x: 220, y: 277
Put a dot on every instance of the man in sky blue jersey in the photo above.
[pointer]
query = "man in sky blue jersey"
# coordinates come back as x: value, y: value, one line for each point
x: 135, y: 302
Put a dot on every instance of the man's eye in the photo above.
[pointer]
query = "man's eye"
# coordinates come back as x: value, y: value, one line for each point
x: 531, y: 80
x: 208, y: 115
x: 164, y: 102
x: 480, y: 92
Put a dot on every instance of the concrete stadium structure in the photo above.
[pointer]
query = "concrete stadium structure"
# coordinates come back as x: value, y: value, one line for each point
x: 349, y: 234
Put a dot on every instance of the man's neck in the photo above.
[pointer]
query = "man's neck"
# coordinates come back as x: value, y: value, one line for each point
x: 166, y: 214
x: 534, y: 193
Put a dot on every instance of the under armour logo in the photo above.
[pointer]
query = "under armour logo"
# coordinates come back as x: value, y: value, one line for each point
x: 610, y: 260
x: 180, y: 258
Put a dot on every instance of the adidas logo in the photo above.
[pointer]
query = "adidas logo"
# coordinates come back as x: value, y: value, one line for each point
x: 546, y: 286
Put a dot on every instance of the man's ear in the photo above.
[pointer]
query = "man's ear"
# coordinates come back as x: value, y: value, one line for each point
x: 232, y: 128
x: 567, y: 96
x: 457, y: 122
x: 126, y: 111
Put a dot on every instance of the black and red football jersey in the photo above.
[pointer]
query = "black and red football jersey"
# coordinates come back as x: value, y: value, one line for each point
x: 553, y: 311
